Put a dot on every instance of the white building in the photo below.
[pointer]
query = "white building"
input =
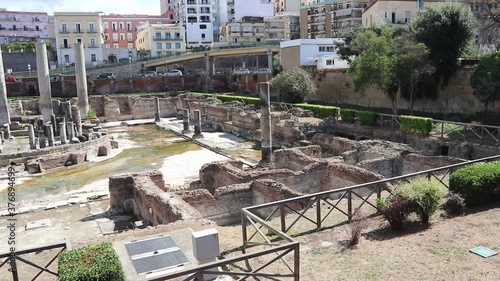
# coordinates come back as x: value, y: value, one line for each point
x: 253, y: 8
x: 160, y: 40
x: 321, y: 52
x: 197, y: 16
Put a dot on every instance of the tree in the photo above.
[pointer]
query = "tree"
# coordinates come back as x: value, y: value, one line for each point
x: 277, y: 68
x: 492, y: 9
x: 446, y: 30
x: 485, y: 80
x: 295, y: 85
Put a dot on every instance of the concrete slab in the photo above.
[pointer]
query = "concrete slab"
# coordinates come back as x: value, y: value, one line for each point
x: 37, y: 224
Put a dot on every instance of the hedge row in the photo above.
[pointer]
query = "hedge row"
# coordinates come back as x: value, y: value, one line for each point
x: 347, y: 115
x: 479, y: 183
x: 367, y: 118
x: 247, y: 100
x: 320, y: 111
x: 94, y: 262
x: 416, y: 124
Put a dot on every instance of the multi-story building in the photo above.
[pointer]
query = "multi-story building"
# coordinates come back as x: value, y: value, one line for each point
x: 166, y: 6
x: 253, y: 8
x: 281, y: 6
x: 320, y: 54
x: 23, y: 26
x: 330, y: 18
x: 292, y: 20
x: 120, y: 31
x: 159, y: 40
x: 72, y: 27
x: 197, y: 18
x: 397, y: 12
x: 255, y: 30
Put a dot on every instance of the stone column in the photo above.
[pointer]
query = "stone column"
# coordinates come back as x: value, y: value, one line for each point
x: 4, y: 105
x: 157, y: 108
x: 71, y: 130
x: 42, y: 65
x: 62, y: 132
x: 6, y: 131
x: 66, y: 107
x: 77, y: 119
x: 213, y: 66
x: 42, y: 139
x: 185, y: 121
x: 81, y: 80
x: 53, y: 122
x: 265, y: 123
x: 207, y: 72
x: 31, y: 135
x: 270, y: 59
x: 197, y: 124
x: 50, y: 134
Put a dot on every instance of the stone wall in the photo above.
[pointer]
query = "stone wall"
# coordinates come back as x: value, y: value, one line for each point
x: 336, y: 87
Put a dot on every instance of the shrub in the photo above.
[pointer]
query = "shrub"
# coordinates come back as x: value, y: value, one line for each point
x: 295, y: 85
x: 454, y: 204
x: 478, y: 183
x: 416, y: 124
x: 358, y: 223
x: 320, y: 111
x: 367, y: 118
x: 425, y: 195
x: 247, y: 100
x: 347, y: 115
x: 92, y: 113
x: 395, y: 211
x: 94, y: 262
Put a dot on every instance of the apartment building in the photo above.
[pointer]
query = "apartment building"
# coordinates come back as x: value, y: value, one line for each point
x: 167, y: 6
x: 120, y: 30
x: 396, y: 12
x: 330, y: 18
x: 23, y: 26
x: 72, y: 27
x: 281, y: 6
x: 160, y: 40
x: 257, y: 30
x: 197, y: 18
x: 320, y: 54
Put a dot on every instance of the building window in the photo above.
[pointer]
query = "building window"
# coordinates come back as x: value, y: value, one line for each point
x: 122, y: 36
x: 167, y: 35
x: 114, y: 26
x: 329, y: 62
x: 106, y: 25
x: 64, y: 28
x: 129, y: 26
x: 121, y: 25
x: 91, y: 27
x: 168, y: 46
x: 78, y: 28
x: 129, y: 37
x: 158, y: 35
x: 66, y: 58
x: 115, y: 37
x: 203, y: 26
x: 78, y: 40
x: 115, y: 45
x: 203, y: 36
x: 177, y: 45
x: 158, y: 54
x: 92, y: 57
x: 92, y: 42
x: 130, y: 45
x: 158, y: 46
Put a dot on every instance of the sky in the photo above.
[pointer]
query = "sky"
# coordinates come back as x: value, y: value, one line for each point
x: 149, y: 7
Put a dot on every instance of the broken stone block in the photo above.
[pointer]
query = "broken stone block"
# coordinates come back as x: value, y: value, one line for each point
x: 114, y: 144
x: 103, y: 151
x: 33, y: 166
x: 82, y: 138
x: 75, y: 140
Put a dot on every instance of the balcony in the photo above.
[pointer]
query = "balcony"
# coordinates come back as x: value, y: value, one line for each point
x: 164, y: 38
x: 93, y: 46
x: 92, y: 30
x: 63, y: 31
x: 78, y: 30
x: 65, y: 46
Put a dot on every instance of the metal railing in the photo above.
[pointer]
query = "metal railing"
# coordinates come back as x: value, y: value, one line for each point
x: 277, y: 253
x: 465, y: 131
x: 11, y: 258
x: 341, y: 201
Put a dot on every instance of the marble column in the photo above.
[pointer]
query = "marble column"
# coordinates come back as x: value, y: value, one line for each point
x: 42, y: 65
x: 185, y: 121
x: 53, y: 122
x: 4, y: 104
x: 31, y: 135
x: 49, y: 132
x: 62, y: 132
x: 197, y: 124
x: 6, y: 131
x: 71, y: 130
x: 81, y: 80
x: 265, y: 123
x: 157, y: 109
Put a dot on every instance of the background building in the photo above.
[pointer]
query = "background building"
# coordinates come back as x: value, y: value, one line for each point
x: 281, y: 6
x: 330, y: 18
x: 320, y: 54
x: 23, y: 26
x: 197, y: 18
x: 167, y: 6
x: 120, y: 31
x: 160, y: 40
x: 257, y: 30
x: 72, y: 27
x: 396, y: 12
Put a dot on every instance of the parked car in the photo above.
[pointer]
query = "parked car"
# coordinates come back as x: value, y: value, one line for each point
x: 10, y: 78
x: 148, y: 74
x: 173, y: 72
x: 106, y: 75
x: 242, y: 71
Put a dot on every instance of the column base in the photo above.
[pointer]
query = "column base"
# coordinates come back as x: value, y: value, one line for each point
x: 267, y: 155
x: 185, y: 132
x: 198, y: 136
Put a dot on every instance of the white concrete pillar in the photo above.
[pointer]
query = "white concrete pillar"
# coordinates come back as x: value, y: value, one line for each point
x: 62, y: 132
x: 185, y: 121
x: 197, y: 124
x: 4, y: 105
x: 265, y: 123
x: 81, y: 80
x: 42, y: 65
x: 31, y: 135
x: 157, y: 109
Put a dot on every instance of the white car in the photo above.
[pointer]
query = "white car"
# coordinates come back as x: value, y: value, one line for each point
x: 242, y: 71
x: 173, y: 73
x: 149, y: 74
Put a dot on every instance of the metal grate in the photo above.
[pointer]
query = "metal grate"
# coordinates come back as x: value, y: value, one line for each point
x: 155, y: 254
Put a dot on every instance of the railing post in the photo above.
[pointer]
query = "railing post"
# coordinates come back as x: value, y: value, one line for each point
x: 392, y: 121
x: 13, y: 265
x: 442, y: 129
x: 379, y: 191
x: 318, y: 212
x: 482, y: 134
x: 199, y: 276
x: 349, y: 205
x: 244, y: 228
x: 282, y: 218
x: 465, y: 132
x: 296, y: 262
